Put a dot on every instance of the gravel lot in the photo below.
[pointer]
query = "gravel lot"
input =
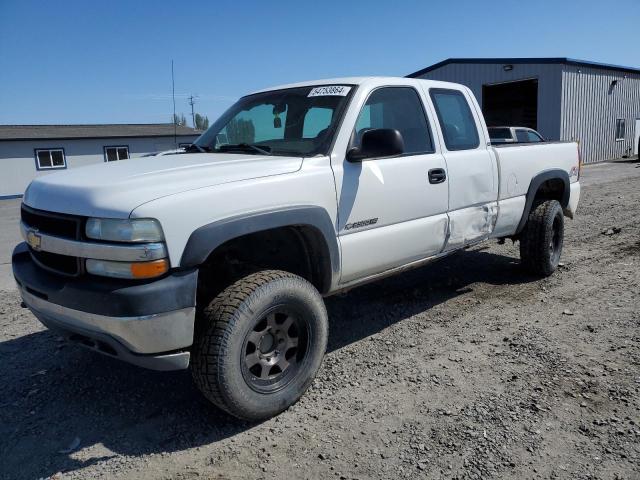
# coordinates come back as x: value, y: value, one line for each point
x: 464, y: 369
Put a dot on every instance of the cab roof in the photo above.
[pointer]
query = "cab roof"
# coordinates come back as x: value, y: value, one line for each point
x: 358, y: 81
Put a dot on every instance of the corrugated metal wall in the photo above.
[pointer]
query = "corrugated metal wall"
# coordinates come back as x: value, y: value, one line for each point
x: 590, y: 107
x: 574, y: 102
x: 475, y: 75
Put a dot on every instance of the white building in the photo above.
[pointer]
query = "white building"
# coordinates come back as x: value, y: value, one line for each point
x: 27, y: 151
x: 592, y: 103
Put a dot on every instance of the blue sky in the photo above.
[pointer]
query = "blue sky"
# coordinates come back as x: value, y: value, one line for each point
x: 110, y: 61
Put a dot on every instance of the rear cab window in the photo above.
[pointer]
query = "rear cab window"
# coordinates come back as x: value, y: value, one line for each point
x: 456, y: 120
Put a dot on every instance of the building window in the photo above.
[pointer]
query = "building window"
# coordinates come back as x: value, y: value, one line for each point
x: 50, y: 159
x: 620, y: 128
x: 112, y: 154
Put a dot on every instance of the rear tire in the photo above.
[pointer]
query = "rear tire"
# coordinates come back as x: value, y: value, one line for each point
x: 542, y: 238
x: 261, y: 345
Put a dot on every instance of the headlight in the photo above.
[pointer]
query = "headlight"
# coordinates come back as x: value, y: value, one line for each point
x: 132, y: 270
x: 129, y: 230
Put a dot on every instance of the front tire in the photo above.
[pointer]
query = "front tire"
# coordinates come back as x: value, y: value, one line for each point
x: 261, y: 345
x: 542, y: 238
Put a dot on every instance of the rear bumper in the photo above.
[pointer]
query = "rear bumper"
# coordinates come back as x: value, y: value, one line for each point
x: 148, y: 324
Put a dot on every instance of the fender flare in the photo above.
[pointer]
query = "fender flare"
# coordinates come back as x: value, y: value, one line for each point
x: 539, y: 179
x: 204, y: 240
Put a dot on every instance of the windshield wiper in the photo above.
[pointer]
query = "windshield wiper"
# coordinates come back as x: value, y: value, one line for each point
x: 245, y: 147
x: 196, y: 148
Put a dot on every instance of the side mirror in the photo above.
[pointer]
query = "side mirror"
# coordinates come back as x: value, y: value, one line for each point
x: 377, y: 142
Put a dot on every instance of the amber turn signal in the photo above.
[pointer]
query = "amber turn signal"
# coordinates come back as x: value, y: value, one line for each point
x: 149, y: 269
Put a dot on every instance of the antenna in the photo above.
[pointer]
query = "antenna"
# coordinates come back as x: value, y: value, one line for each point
x: 192, y: 102
x: 173, y: 95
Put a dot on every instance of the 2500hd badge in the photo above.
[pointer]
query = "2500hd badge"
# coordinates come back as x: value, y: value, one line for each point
x: 361, y: 223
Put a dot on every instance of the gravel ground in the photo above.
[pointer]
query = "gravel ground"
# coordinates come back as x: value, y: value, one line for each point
x: 464, y: 369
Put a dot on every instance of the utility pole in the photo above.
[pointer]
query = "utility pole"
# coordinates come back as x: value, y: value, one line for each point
x: 192, y: 102
x: 173, y: 96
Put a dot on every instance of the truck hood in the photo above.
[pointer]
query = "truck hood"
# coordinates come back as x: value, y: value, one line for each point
x: 115, y: 189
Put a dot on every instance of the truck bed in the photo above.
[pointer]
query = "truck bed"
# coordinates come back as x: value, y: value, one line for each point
x: 518, y: 163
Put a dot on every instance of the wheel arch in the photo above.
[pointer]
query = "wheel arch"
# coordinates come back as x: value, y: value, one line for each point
x: 553, y: 184
x: 312, y: 224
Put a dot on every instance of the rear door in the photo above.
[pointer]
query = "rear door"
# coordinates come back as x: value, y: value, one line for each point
x: 471, y: 166
x: 389, y: 212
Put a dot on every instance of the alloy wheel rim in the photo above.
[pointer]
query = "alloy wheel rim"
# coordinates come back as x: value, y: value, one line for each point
x: 274, y: 350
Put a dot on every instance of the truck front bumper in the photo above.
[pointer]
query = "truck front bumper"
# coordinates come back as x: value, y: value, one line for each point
x: 149, y: 324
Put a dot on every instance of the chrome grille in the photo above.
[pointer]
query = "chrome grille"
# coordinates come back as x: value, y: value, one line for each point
x: 64, y: 226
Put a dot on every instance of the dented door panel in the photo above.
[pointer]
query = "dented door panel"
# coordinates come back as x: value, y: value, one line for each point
x: 470, y: 225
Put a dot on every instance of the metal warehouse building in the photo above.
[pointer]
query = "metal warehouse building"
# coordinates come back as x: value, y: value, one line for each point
x: 27, y: 151
x: 595, y: 104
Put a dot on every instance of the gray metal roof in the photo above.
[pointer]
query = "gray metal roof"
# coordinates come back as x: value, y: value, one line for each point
x: 561, y: 60
x: 47, y: 132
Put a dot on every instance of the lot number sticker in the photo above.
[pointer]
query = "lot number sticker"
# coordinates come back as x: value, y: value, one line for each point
x: 330, y: 90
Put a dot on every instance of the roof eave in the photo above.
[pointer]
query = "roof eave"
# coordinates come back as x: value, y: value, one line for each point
x: 547, y: 60
x: 98, y: 137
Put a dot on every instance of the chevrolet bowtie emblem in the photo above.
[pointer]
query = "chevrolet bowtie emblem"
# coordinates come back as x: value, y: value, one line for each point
x: 33, y: 239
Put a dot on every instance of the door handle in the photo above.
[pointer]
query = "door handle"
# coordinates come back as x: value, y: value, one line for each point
x: 437, y: 175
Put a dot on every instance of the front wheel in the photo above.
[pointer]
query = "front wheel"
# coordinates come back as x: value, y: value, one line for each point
x: 542, y: 238
x: 262, y: 342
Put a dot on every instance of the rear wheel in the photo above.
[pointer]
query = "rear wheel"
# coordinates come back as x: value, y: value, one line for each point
x: 261, y: 345
x: 542, y: 238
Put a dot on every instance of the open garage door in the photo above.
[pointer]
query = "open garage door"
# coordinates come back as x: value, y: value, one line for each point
x: 511, y: 104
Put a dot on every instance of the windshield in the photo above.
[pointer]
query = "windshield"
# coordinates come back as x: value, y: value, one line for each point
x: 294, y: 122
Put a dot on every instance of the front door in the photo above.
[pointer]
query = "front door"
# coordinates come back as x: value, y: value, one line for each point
x: 636, y: 138
x: 389, y: 214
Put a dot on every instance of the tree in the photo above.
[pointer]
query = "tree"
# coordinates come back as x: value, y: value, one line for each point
x: 179, y: 119
x: 202, y: 123
x: 241, y: 131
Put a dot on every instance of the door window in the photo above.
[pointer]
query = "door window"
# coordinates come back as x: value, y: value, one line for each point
x: 458, y: 126
x: 534, y: 137
x: 521, y: 136
x: 398, y: 108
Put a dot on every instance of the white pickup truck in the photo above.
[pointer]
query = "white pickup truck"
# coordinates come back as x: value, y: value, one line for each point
x: 218, y: 257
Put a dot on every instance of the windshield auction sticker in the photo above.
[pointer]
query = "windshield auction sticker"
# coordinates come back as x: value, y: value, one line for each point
x: 329, y: 90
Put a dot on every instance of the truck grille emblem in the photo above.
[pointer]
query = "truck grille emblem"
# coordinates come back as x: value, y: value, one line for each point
x: 33, y: 239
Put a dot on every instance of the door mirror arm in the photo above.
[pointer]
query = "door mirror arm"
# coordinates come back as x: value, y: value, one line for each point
x: 354, y: 155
